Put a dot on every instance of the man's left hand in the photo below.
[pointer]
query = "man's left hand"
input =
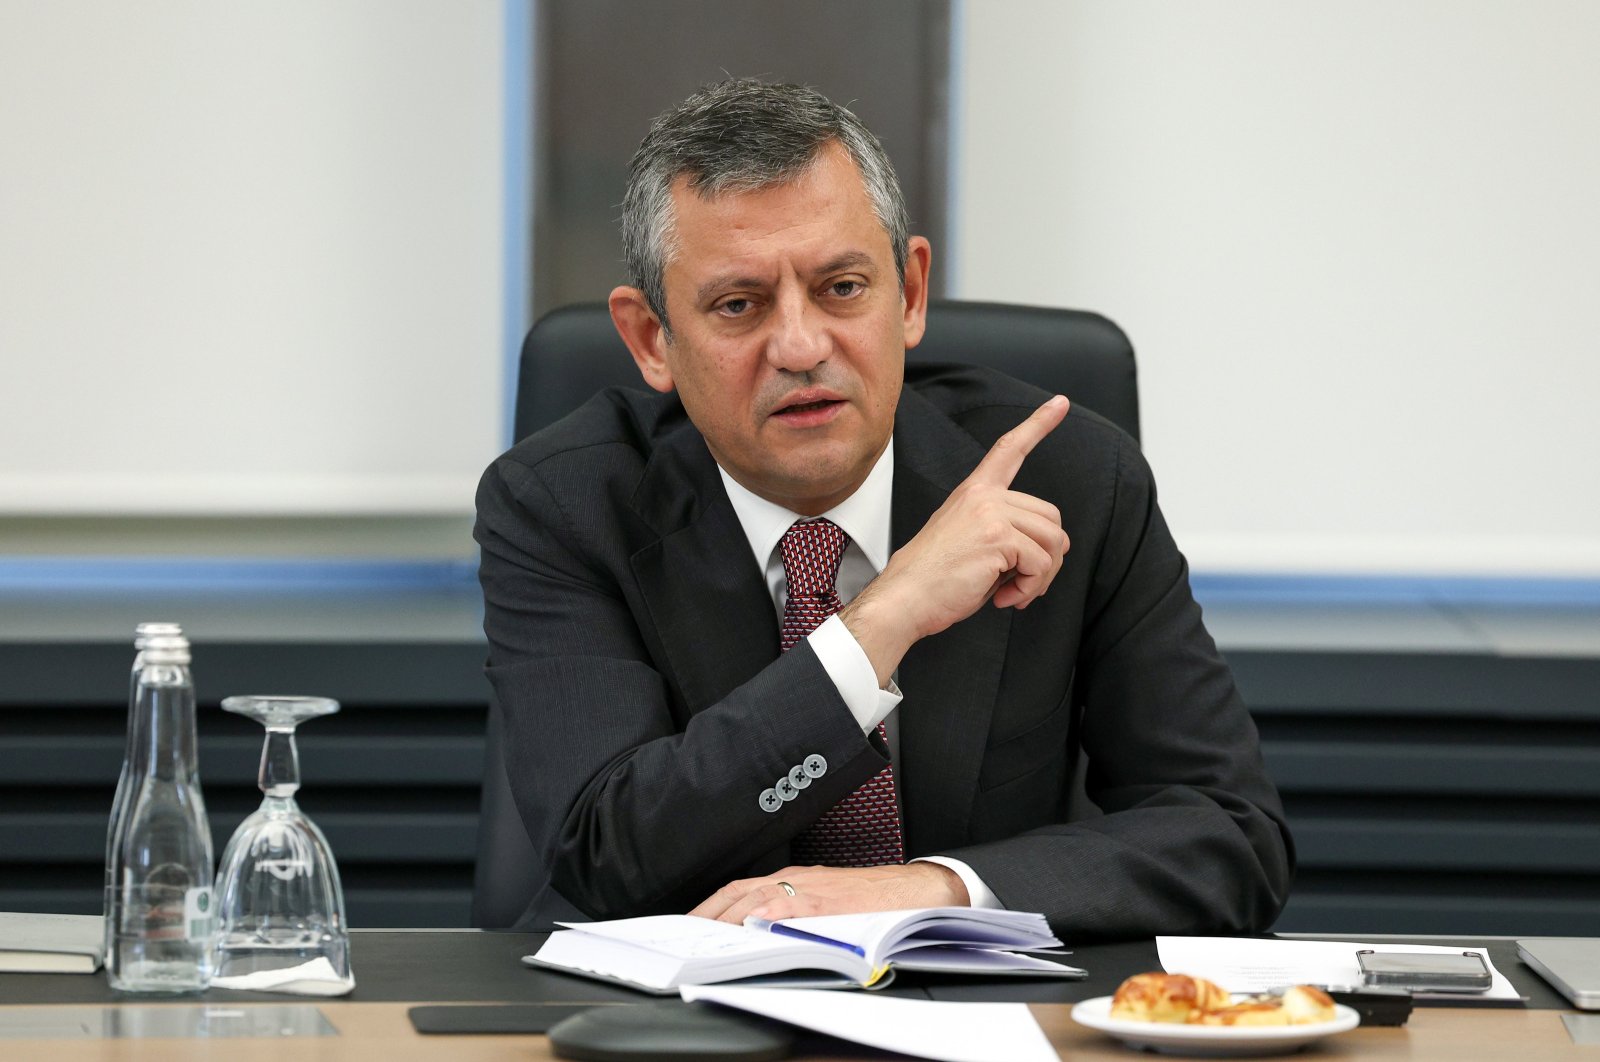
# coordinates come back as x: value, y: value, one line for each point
x: 835, y: 890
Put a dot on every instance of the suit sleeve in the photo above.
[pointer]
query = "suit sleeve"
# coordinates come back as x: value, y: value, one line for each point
x: 1191, y: 837
x: 637, y: 803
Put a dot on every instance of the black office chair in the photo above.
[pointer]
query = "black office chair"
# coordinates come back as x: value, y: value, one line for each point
x: 575, y: 351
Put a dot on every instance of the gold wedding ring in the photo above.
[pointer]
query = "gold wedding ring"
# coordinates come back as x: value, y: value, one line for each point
x: 786, y: 887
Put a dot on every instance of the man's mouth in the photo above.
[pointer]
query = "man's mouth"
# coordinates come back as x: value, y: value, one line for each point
x: 812, y: 408
x: 809, y: 400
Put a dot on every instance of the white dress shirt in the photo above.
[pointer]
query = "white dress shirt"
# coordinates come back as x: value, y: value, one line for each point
x: 864, y: 516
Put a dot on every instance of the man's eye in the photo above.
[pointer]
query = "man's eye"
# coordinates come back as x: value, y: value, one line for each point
x: 734, y: 307
x: 844, y: 288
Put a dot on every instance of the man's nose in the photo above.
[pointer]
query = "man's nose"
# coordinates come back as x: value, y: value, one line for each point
x: 799, y: 339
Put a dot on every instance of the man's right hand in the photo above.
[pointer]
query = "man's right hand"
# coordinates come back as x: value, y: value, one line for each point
x: 985, y: 541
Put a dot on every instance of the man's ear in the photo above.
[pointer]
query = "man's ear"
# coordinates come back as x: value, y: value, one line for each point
x: 641, y: 330
x: 919, y: 257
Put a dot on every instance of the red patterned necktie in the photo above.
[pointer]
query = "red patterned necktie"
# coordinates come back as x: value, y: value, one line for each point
x: 863, y: 829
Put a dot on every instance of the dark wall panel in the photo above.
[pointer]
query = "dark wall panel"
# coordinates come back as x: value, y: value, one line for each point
x: 605, y: 68
x: 1435, y: 793
x: 393, y: 779
x: 1443, y: 793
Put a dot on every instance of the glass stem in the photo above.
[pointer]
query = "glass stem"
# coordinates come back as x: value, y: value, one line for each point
x: 280, y: 764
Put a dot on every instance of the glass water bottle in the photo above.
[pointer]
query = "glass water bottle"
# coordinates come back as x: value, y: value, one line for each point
x: 160, y: 918
x: 119, y: 803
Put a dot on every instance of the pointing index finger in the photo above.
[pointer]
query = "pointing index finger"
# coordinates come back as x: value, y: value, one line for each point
x: 1005, y: 457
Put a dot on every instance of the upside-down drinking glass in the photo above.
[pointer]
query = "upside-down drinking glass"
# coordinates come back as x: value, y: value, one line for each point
x: 279, y: 903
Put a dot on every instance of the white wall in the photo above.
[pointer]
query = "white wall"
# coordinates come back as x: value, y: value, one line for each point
x: 250, y: 255
x: 1356, y: 246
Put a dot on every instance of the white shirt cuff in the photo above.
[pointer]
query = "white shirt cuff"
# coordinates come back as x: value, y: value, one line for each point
x: 979, y: 893
x: 847, y: 665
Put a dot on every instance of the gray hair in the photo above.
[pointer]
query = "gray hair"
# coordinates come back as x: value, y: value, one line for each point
x: 742, y: 135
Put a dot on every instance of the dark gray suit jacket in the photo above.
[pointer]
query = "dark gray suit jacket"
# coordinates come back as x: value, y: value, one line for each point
x: 633, y: 653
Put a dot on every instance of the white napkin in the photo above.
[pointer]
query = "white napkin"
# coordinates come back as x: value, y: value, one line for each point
x: 314, y: 978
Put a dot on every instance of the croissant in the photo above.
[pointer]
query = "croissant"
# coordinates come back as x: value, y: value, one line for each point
x: 1167, y: 997
x: 1186, y: 1000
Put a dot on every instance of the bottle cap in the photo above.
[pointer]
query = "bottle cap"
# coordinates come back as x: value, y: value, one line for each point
x: 145, y: 631
x: 166, y: 649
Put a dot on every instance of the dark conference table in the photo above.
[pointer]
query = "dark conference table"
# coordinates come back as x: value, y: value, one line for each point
x: 399, y: 969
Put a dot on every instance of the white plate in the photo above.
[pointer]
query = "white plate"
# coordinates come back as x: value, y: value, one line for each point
x: 1210, y: 1041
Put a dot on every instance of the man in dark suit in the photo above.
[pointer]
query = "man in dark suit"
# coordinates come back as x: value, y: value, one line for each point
x: 762, y: 638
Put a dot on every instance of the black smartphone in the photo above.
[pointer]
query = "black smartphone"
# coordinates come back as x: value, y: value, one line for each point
x: 1422, y: 972
x: 499, y: 1019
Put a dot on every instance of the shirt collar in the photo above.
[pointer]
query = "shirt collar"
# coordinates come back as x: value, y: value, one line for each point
x: 864, y: 516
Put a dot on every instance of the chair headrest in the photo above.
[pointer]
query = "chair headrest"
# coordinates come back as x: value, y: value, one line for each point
x: 573, y: 352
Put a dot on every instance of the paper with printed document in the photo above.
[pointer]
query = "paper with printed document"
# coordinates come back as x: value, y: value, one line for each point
x: 1249, y: 964
x: 949, y: 1032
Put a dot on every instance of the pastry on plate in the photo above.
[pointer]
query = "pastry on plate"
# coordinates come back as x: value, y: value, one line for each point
x: 1307, y: 1005
x: 1180, y: 999
x: 1253, y: 1014
x: 1175, y: 998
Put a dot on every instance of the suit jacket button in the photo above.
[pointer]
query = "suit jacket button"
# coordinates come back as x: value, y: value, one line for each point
x: 770, y: 800
x: 798, y: 777
x: 815, y: 766
x: 786, y: 789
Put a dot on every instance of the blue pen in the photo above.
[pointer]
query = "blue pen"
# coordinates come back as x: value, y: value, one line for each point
x: 800, y: 934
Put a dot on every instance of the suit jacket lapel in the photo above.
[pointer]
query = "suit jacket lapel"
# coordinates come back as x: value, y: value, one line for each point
x: 703, y: 589
x: 705, y: 594
x: 949, y: 680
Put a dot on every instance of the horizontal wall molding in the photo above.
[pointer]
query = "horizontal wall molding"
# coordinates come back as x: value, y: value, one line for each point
x: 231, y: 575
x: 1548, y: 556
x: 1310, y: 586
x: 337, y: 574
x: 264, y: 538
x: 237, y: 495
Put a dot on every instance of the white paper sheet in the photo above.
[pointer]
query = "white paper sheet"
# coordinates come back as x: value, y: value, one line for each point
x: 950, y: 1032
x: 1245, y: 964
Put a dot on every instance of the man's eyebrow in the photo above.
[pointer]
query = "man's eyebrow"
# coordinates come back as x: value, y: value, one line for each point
x: 726, y: 282
x: 744, y: 281
x: 847, y: 260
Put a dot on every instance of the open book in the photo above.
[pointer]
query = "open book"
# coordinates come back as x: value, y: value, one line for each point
x: 660, y: 953
x: 50, y: 943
